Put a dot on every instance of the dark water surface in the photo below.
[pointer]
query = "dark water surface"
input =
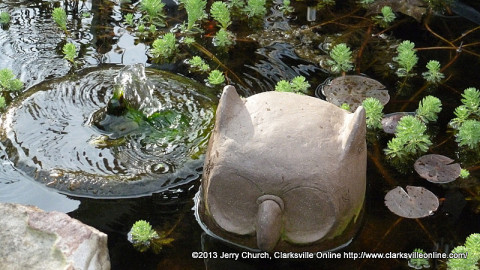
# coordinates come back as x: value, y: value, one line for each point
x: 31, y: 46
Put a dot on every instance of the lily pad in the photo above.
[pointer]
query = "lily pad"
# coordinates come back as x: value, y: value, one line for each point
x: 416, y: 202
x: 437, y: 168
x: 353, y: 89
x: 390, y: 121
x: 412, y: 8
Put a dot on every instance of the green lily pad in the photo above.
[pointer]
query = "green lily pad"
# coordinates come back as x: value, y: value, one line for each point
x: 416, y: 202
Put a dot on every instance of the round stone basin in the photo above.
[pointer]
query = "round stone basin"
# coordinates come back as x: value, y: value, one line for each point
x: 50, y: 135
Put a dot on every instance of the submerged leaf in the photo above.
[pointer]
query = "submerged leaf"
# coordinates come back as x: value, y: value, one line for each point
x: 353, y: 89
x: 437, y: 168
x: 390, y: 121
x: 416, y: 202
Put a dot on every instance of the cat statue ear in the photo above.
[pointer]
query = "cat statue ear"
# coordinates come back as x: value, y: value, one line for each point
x: 230, y: 105
x: 354, y: 132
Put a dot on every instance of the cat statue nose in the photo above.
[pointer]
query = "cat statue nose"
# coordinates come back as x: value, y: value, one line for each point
x: 283, y: 172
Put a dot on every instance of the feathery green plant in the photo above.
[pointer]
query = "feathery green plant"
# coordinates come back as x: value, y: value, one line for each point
x: 221, y: 13
x: 188, y: 40
x: 199, y: 64
x: 428, y: 109
x: 70, y: 52
x: 223, y: 38
x: 297, y: 85
x: 418, y: 263
x: 129, y: 19
x: 153, y: 10
x: 142, y: 235
x: 4, y: 17
x: 469, y: 134
x: 345, y: 106
x: 60, y: 17
x: 374, y: 112
x: 195, y: 12
x: 470, y: 108
x: 464, y: 173
x: 386, y: 17
x: 341, y: 58
x: 365, y: 3
x: 164, y: 47
x: 410, y: 138
x: 216, y: 77
x: 286, y: 8
x: 255, y: 8
x: 325, y: 3
x: 471, y: 249
x: 406, y: 58
x: 433, y: 75
x: 8, y: 82
x: 2, y: 102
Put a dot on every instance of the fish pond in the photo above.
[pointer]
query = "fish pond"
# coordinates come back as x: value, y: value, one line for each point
x: 107, y: 107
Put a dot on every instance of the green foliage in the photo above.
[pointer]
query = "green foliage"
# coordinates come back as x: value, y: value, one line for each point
x: 428, y: 108
x: 418, y: 263
x: 386, y: 17
x: 410, y: 138
x: 341, y: 58
x: 471, y: 249
x: 4, y: 17
x: 462, y: 114
x: 297, y: 85
x: 60, y: 17
x: 216, y: 77
x: 223, y: 38
x: 221, y: 13
x: 198, y: 63
x: 255, y: 8
x: 472, y: 243
x: 325, y: 3
x: 129, y: 19
x: 433, y: 75
x: 142, y: 235
x: 164, y: 47
x: 188, y: 40
x: 471, y: 100
x: 195, y: 11
x: 406, y: 58
x: 345, y: 106
x: 286, y: 8
x: 8, y: 82
x: 374, y: 112
x: 70, y: 52
x: 153, y: 10
x: 2, y: 102
x: 365, y: 2
x: 469, y: 134
x: 464, y: 173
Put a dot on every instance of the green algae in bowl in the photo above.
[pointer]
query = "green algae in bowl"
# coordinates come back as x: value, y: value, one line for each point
x: 62, y: 134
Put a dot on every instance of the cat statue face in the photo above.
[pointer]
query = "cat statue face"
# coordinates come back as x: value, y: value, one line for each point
x: 283, y: 172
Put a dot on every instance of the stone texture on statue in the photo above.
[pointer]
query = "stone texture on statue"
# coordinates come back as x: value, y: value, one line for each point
x: 34, y: 239
x: 283, y: 172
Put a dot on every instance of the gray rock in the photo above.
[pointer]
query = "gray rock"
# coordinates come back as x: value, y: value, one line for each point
x: 34, y: 239
x: 284, y: 172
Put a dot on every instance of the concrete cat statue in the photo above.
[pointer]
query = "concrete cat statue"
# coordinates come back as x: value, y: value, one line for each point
x: 283, y: 172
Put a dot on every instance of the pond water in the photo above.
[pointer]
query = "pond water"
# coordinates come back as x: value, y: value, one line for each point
x: 281, y: 48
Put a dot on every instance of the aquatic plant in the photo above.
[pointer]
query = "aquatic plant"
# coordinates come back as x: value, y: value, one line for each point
x: 410, y: 138
x: 223, y: 38
x: 195, y: 12
x: 345, y: 106
x: 164, y: 47
x: 386, y: 17
x: 2, y: 102
x: 60, y: 17
x: 216, y: 77
x: 188, y: 40
x: 406, y: 58
x: 142, y: 235
x: 471, y: 100
x: 325, y: 3
x: 153, y: 10
x: 286, y: 8
x: 433, y: 75
x: 297, y: 85
x: 471, y: 249
x: 255, y: 8
x: 70, y: 52
x: 365, y: 2
x: 418, y: 263
x: 8, y: 82
x: 198, y: 63
x: 464, y: 173
x: 341, y: 58
x: 469, y: 134
x: 129, y: 19
x: 221, y: 13
x: 4, y: 17
x: 374, y: 112
x: 428, y: 109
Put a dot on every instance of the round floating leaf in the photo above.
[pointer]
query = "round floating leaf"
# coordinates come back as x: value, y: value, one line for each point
x: 390, y: 121
x: 416, y: 202
x: 437, y: 168
x: 353, y: 89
